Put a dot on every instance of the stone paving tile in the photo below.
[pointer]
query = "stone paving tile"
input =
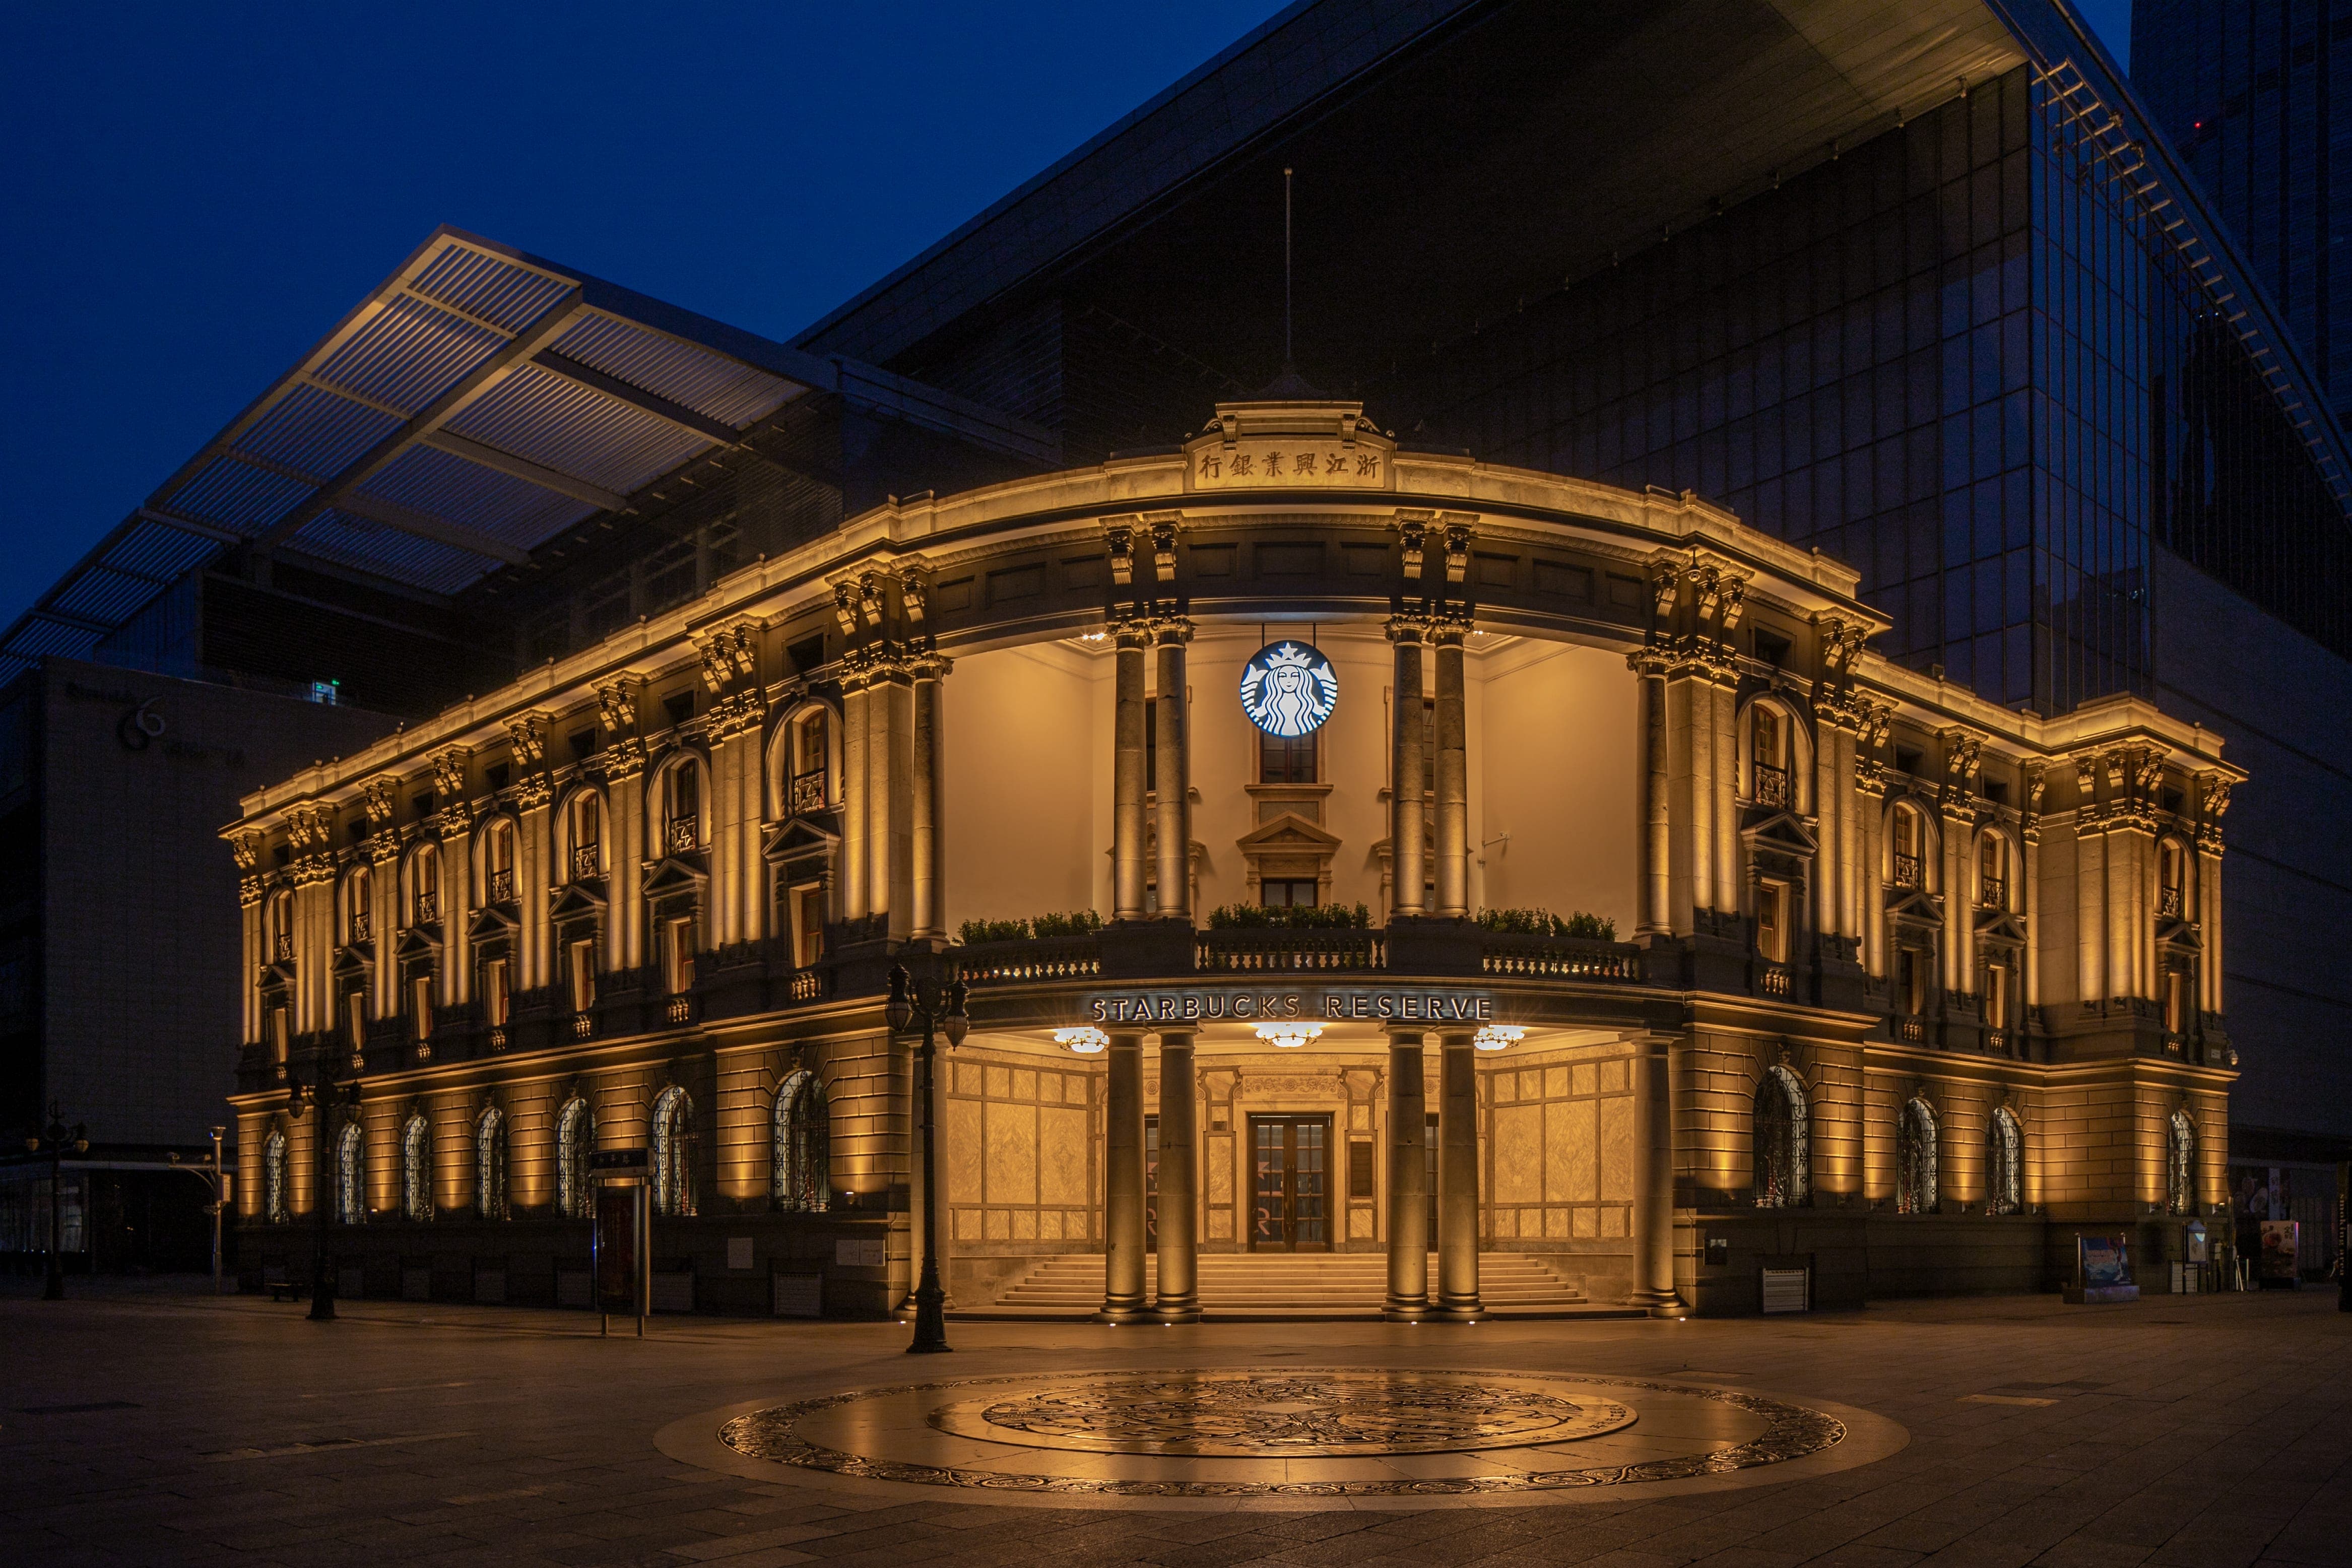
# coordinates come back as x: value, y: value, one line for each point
x: 2221, y: 1433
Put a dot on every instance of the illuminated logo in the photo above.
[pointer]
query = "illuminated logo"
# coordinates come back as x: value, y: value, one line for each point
x: 1288, y: 691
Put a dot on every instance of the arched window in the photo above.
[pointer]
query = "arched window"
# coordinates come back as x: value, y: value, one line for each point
x: 359, y: 905
x: 681, y: 806
x: 798, y: 1180
x: 1992, y: 872
x: 1916, y: 1166
x: 282, y: 928
x: 2004, y: 1165
x: 1907, y: 845
x: 2171, y: 881
x: 417, y: 1169
x: 350, y: 1175
x: 491, y: 1164
x: 2181, y: 1164
x: 424, y: 885
x: 575, y: 1140
x: 1781, y: 1153
x: 807, y: 768
x: 1769, y: 742
x: 499, y: 862
x: 273, y: 1179
x: 587, y: 835
x: 672, y: 1153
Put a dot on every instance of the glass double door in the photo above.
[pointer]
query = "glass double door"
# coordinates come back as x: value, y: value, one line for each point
x: 1290, y: 1156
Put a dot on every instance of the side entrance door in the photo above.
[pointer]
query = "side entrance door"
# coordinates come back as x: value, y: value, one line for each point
x: 1290, y: 1155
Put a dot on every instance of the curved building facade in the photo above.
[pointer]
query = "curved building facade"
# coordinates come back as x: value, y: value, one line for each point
x: 1539, y: 891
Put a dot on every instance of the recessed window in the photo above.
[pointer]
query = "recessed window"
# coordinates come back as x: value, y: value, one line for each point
x: 1773, y: 921
x: 1772, y: 648
x: 1906, y: 760
x: 1288, y: 894
x: 499, y: 774
x: 1285, y: 759
x: 679, y: 706
x: 584, y: 743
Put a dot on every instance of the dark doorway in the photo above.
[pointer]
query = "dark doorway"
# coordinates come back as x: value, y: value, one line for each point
x: 1291, y: 1157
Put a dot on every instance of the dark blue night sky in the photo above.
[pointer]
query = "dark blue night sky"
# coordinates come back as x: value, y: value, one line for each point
x: 194, y: 194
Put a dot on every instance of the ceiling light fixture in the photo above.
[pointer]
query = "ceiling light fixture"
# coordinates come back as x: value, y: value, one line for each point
x: 1498, y: 1036
x: 1085, y: 1039
x: 1289, y: 1036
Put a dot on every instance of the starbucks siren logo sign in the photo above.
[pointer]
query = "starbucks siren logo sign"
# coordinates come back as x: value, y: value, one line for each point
x: 1288, y: 691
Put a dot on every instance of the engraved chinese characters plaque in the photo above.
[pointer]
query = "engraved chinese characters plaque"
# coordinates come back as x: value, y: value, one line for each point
x: 1301, y: 462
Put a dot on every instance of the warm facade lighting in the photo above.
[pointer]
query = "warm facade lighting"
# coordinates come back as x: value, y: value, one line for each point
x: 1289, y: 1036
x: 1087, y: 1040
x: 1498, y: 1036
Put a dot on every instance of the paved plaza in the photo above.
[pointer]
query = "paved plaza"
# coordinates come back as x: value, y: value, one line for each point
x: 159, y: 1426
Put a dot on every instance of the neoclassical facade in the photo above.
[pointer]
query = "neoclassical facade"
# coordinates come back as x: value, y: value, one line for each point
x: 1346, y: 850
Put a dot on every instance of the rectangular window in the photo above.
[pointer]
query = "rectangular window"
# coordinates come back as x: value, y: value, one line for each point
x: 583, y: 975
x: 355, y: 1018
x: 1773, y: 921
x: 677, y: 956
x: 1911, y: 980
x: 2175, y: 1001
x: 1996, y: 997
x: 420, y: 1007
x: 1285, y: 759
x: 494, y: 993
x: 808, y: 925
x: 280, y: 1033
x: 1288, y: 894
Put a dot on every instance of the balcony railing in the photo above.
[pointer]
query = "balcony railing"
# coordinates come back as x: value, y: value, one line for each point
x: 1912, y: 1027
x: 808, y: 792
x: 811, y: 985
x: 1771, y: 786
x: 1774, y: 980
x: 1053, y: 958
x: 362, y: 926
x: 681, y: 1009
x: 1992, y: 892
x: 684, y: 835
x: 1906, y: 870
x: 1523, y: 956
x: 502, y: 887
x: 1997, y: 1041
x: 428, y: 908
x: 281, y: 948
x: 587, y: 863
x: 2168, y: 903
x: 498, y: 1036
x: 1262, y: 951
x: 584, y: 1026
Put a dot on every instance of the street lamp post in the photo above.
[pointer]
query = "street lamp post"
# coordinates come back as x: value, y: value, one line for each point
x: 59, y: 1141
x: 941, y: 1010
x: 326, y: 1094
x: 219, y: 1203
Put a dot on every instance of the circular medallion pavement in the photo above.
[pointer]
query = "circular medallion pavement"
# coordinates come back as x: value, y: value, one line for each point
x: 1294, y: 1433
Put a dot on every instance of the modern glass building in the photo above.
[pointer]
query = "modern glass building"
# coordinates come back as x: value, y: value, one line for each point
x: 1921, y: 286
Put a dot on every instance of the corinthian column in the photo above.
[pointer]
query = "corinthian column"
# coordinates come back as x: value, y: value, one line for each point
x: 855, y: 829
x: 1453, y: 772
x: 1407, y: 846
x: 930, y: 912
x: 1457, y: 1178
x: 1127, y: 783
x: 1174, y: 784
x: 1408, y: 1298
x: 1179, y: 1188
x: 1123, y: 1297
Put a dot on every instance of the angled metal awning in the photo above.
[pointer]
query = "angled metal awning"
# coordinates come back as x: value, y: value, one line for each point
x: 478, y: 403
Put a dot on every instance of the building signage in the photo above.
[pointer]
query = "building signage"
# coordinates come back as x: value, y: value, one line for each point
x: 620, y: 1161
x: 1248, y: 1004
x: 1289, y: 689
x: 1270, y: 461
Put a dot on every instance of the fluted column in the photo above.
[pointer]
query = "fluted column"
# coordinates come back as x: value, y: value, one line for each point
x: 930, y: 883
x: 1654, y: 1191
x: 1453, y: 772
x: 1690, y: 808
x: 1407, y: 1296
x: 854, y: 827
x: 1407, y: 844
x: 1127, y: 782
x: 1457, y: 1177
x: 1179, y: 1188
x: 1123, y: 1297
x: 891, y: 799
x: 1172, y: 727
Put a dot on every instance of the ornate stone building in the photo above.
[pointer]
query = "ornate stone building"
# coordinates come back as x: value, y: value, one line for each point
x: 1507, y: 889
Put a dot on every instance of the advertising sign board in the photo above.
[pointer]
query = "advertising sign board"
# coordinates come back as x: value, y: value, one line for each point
x: 2282, y: 1254
x: 2102, y: 1270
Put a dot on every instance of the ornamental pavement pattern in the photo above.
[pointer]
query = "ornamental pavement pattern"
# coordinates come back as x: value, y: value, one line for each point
x: 163, y: 1428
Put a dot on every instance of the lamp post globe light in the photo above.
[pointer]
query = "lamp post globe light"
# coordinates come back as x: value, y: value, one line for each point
x: 940, y: 1010
x: 59, y: 1141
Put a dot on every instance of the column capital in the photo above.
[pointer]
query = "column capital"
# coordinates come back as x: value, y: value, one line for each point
x: 1407, y: 627
x: 1404, y: 1034
x: 1131, y: 631
x: 1172, y: 631
x: 930, y: 665
x: 1449, y: 627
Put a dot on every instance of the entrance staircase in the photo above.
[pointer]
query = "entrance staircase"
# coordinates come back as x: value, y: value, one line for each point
x: 1261, y: 1284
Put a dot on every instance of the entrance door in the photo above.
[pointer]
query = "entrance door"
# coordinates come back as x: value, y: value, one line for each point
x: 1291, y: 1155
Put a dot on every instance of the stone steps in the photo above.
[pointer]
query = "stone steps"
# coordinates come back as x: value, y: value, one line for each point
x: 1346, y: 1284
